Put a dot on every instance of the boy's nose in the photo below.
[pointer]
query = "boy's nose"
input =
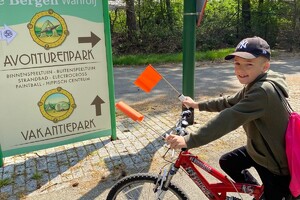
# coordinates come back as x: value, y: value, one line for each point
x: 239, y: 68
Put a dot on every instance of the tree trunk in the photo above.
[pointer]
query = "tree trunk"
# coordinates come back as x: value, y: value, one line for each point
x: 130, y: 19
x: 246, y: 18
x: 262, y: 28
x: 169, y: 14
x: 296, y: 27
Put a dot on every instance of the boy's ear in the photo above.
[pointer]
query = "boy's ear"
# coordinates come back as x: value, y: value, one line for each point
x: 266, y: 66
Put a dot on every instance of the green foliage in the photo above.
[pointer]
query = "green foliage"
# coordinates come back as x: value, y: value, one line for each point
x: 218, y: 28
x: 160, y: 27
x: 117, y: 21
x: 142, y: 59
x: 266, y: 19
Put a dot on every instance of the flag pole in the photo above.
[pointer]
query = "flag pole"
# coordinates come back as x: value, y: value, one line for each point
x: 171, y: 85
x: 166, y: 80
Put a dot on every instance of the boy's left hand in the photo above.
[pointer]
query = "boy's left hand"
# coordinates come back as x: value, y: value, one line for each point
x: 190, y: 103
x: 176, y: 142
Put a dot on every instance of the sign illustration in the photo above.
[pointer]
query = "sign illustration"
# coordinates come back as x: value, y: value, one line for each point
x: 48, y: 29
x: 57, y: 104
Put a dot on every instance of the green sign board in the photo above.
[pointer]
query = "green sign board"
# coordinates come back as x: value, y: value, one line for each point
x: 56, y: 77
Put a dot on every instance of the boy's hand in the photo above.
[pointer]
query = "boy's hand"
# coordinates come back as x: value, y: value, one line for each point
x: 176, y: 142
x: 190, y: 103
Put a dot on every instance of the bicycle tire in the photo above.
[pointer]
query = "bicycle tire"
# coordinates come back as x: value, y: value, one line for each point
x: 121, y: 190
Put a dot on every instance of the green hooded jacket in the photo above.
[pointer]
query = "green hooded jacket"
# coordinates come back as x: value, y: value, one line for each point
x: 258, y: 108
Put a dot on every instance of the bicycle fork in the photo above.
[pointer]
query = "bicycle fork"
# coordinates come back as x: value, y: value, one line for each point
x: 163, y: 181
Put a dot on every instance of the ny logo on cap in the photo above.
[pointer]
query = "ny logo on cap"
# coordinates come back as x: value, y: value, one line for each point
x: 243, y: 44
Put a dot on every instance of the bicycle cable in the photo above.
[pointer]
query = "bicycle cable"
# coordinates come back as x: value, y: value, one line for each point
x: 145, y: 123
x: 234, y: 188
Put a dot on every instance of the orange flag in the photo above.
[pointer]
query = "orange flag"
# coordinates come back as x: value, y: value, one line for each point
x: 129, y: 111
x: 148, y: 79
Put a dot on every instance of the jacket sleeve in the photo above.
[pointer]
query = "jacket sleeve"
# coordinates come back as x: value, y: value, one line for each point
x: 249, y: 108
x: 219, y: 104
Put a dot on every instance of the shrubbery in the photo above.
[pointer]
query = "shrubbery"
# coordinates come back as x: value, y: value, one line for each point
x: 159, y: 24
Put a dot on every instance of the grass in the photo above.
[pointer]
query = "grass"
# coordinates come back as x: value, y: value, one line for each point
x: 37, y: 176
x: 143, y: 59
x: 4, y: 182
x: 213, y: 55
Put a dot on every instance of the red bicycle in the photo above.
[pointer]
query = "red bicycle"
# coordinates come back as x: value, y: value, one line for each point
x: 149, y: 186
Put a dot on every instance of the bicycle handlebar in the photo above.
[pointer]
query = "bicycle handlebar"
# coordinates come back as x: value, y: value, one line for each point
x: 182, y: 124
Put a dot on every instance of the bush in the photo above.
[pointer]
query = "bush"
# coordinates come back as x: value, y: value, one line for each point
x: 160, y: 27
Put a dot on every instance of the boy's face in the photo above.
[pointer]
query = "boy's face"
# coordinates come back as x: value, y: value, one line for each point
x: 247, y: 70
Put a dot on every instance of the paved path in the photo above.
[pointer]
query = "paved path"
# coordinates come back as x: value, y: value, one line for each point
x: 86, y: 170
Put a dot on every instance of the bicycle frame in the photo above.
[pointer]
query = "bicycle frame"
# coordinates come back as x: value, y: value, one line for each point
x: 213, y: 191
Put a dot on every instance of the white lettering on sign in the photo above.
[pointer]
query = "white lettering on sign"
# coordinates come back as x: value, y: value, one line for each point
x: 41, y: 3
x: 37, y: 3
x: 80, y: 2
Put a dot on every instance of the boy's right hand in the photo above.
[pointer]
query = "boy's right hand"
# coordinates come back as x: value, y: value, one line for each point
x: 190, y: 103
x: 176, y: 141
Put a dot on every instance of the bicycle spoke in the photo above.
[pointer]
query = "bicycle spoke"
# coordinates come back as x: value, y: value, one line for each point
x: 137, y: 191
x: 142, y: 190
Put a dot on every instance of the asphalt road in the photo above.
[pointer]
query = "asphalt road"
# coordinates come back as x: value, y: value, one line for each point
x: 211, y: 79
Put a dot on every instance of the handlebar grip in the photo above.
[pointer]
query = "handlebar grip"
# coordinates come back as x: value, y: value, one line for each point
x: 183, y: 132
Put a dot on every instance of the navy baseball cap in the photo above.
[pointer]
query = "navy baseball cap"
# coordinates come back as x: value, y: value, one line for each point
x: 251, y: 48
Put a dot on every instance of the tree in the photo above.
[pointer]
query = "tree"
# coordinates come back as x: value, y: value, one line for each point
x: 148, y: 26
x: 169, y: 13
x: 296, y: 26
x: 130, y: 19
x: 246, y: 18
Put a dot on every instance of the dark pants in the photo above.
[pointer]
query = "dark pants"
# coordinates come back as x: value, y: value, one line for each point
x: 275, y: 187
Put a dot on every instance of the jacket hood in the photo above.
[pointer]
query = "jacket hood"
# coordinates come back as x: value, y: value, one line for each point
x: 278, y: 79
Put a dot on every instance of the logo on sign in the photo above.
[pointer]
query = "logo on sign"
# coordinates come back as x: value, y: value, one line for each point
x: 48, y: 29
x: 57, y: 104
x: 7, y: 34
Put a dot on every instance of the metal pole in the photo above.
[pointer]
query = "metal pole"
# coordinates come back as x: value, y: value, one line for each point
x: 1, y: 157
x: 189, y: 48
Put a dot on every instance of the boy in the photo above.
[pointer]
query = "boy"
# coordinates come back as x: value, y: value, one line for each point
x: 258, y: 108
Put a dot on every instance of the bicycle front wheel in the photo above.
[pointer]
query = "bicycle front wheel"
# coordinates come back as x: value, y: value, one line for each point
x: 141, y: 186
